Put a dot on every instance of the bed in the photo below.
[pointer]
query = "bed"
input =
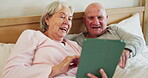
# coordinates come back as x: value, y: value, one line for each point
x: 132, y: 19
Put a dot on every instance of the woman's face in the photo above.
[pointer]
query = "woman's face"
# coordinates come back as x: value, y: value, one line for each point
x: 60, y: 23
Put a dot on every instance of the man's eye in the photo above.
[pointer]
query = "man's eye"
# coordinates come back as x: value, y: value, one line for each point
x: 62, y: 17
x: 100, y: 17
x: 90, y: 17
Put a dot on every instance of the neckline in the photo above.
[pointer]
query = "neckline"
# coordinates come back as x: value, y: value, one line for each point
x: 64, y: 42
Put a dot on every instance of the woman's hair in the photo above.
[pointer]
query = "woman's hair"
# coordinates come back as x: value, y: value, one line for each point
x: 51, y: 9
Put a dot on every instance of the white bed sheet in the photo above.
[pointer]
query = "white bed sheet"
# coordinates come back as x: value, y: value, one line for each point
x: 137, y: 67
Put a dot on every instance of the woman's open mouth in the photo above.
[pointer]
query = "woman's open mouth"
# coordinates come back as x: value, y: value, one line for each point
x: 64, y: 29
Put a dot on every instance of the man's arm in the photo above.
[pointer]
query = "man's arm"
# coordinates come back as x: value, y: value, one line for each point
x: 102, y: 73
x: 134, y: 43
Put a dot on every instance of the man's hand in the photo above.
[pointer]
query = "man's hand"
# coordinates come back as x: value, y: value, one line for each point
x: 102, y: 73
x: 124, y: 58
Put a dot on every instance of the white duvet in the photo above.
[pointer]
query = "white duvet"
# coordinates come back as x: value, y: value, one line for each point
x: 137, y: 67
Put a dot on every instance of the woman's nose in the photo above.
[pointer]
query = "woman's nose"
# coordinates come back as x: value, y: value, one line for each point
x: 66, y: 21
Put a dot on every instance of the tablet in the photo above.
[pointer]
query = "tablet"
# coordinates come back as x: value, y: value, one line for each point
x: 99, y: 53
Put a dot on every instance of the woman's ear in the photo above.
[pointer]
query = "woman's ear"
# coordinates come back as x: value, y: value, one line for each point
x: 47, y: 20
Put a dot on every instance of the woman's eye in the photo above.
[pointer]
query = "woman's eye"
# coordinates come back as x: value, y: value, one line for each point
x: 70, y: 19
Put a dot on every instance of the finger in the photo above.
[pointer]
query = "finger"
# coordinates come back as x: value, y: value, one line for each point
x: 91, y: 75
x: 68, y: 60
x: 64, y: 66
x: 75, y: 62
x: 103, y: 73
x: 126, y: 58
x: 123, y: 60
x: 120, y: 62
x: 76, y: 56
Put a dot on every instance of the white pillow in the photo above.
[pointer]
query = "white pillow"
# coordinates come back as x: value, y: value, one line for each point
x: 5, y: 50
x: 131, y: 25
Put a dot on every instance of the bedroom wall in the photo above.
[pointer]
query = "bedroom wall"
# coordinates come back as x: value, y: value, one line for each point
x: 13, y: 8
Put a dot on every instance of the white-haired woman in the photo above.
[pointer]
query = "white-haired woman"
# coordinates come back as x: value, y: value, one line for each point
x: 46, y: 54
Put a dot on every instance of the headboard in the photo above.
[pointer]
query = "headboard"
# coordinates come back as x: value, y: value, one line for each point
x: 11, y: 28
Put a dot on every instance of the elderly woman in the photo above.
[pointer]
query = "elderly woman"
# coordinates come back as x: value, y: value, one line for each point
x: 46, y: 54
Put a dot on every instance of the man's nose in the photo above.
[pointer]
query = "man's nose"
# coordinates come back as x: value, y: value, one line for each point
x: 96, y: 21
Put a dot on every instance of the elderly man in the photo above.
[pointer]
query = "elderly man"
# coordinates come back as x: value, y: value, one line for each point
x: 95, y: 22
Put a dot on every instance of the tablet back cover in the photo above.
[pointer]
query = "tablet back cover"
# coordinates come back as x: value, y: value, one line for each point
x: 99, y: 53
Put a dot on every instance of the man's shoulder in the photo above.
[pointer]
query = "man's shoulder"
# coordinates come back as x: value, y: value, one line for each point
x: 79, y: 36
x: 112, y: 27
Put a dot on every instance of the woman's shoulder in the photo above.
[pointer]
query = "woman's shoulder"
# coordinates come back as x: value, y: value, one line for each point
x: 28, y: 32
x: 35, y: 33
x: 31, y: 31
x: 32, y: 34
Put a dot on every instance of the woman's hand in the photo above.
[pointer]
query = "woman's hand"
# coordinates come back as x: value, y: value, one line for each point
x: 124, y: 58
x: 102, y: 73
x: 68, y: 63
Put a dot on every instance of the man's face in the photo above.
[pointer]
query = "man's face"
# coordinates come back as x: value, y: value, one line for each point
x: 95, y: 21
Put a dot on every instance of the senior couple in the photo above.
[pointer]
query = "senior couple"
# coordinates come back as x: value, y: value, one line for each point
x: 47, y: 54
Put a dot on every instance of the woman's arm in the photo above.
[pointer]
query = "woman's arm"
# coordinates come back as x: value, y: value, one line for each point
x: 68, y: 63
x: 19, y: 64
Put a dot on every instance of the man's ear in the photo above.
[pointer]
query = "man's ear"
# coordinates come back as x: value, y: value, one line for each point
x: 106, y: 16
x: 83, y: 19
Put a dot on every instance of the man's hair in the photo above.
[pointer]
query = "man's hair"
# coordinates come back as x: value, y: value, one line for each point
x: 97, y: 4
